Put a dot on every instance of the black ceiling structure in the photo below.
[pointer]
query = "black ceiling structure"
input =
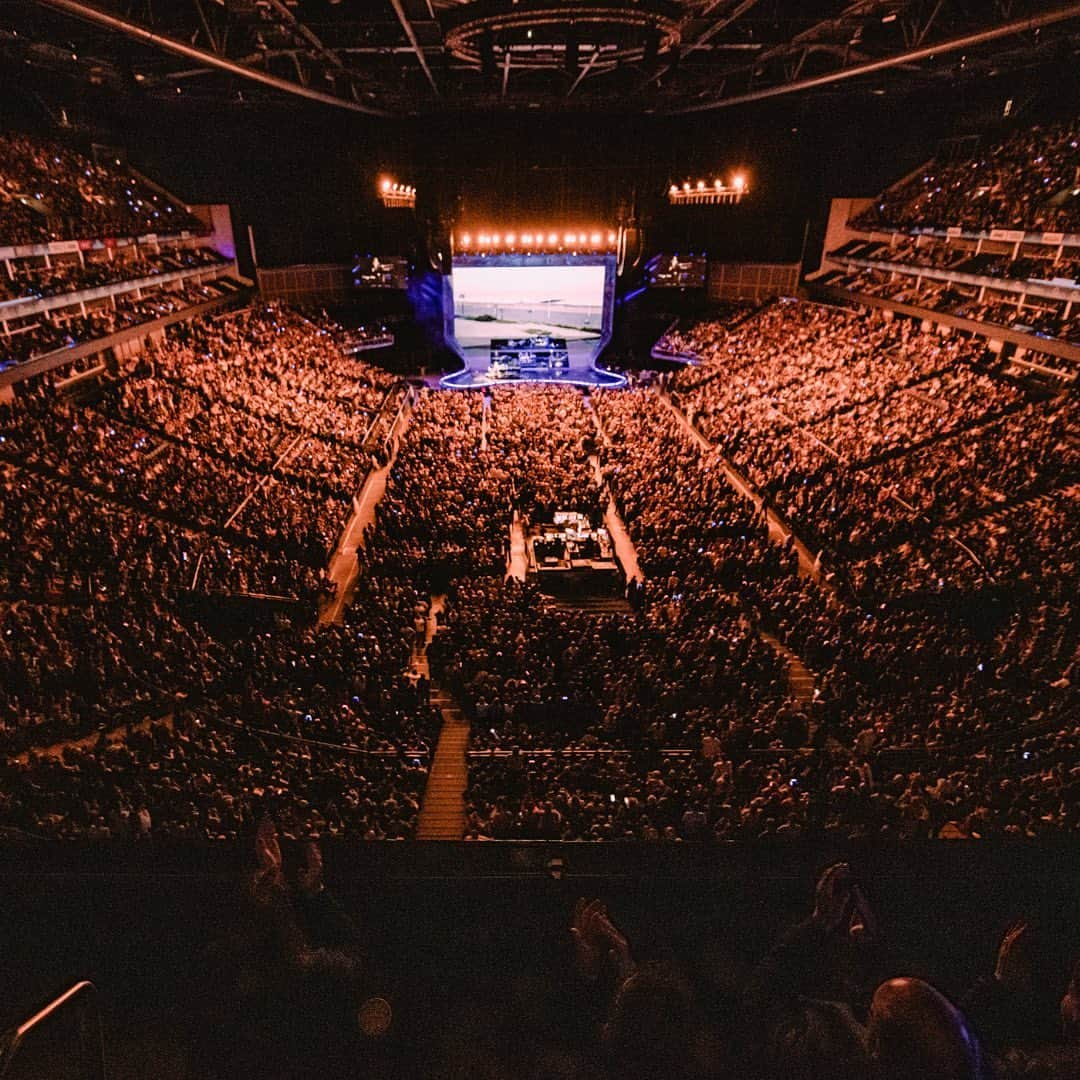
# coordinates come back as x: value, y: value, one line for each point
x: 424, y: 57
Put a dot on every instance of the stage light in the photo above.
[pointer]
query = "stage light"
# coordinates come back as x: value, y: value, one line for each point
x: 701, y: 185
x: 686, y: 186
x: 495, y: 238
x: 510, y: 238
x: 569, y: 238
x: 674, y: 189
x: 386, y: 185
x: 718, y: 184
x: 595, y: 239
x: 526, y: 239
x: 553, y: 238
x: 484, y: 240
x: 738, y: 182
x: 466, y: 240
x: 611, y: 238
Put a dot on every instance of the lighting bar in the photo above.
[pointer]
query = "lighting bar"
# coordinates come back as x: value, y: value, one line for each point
x: 397, y: 195
x: 528, y: 240
x: 708, y: 192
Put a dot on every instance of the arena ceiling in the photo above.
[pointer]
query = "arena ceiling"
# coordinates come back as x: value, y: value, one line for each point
x: 416, y: 57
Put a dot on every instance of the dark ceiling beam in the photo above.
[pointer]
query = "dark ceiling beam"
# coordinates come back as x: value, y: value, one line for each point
x: 940, y: 48
x: 208, y: 59
x: 309, y: 35
x: 585, y: 69
x: 410, y: 33
x: 703, y: 38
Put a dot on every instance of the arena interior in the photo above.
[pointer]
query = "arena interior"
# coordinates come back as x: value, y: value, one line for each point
x: 539, y: 539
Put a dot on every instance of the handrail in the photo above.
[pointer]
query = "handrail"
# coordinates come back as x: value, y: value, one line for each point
x: 92, y: 1055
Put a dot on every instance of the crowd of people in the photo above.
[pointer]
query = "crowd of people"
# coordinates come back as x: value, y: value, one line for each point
x: 31, y: 278
x: 1026, y: 180
x: 223, y: 461
x: 1041, y: 316
x: 128, y: 519
x: 535, y: 679
x: 38, y: 335
x: 49, y: 191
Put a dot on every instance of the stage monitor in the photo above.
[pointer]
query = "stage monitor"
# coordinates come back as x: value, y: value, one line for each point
x: 674, y: 271
x: 380, y: 272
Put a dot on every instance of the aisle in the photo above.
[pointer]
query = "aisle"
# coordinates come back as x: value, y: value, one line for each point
x: 343, y: 565
x: 778, y: 531
x: 518, y: 566
x: 442, y: 813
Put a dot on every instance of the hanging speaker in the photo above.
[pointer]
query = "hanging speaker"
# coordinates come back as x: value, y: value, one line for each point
x: 652, y: 50
x: 572, y: 50
x: 487, y: 55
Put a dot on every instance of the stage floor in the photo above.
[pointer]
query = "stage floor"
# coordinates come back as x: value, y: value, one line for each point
x: 474, y: 374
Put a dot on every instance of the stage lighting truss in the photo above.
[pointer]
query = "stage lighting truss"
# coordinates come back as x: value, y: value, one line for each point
x: 399, y: 196
x: 540, y: 34
x: 537, y: 241
x: 708, y: 192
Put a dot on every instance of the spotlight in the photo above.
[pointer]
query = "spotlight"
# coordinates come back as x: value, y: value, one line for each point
x: 701, y: 185
x: 674, y: 189
x: 595, y: 239
x: 686, y: 186
x: 466, y: 240
x: 553, y: 239
x: 738, y: 182
x: 510, y: 238
x: 611, y: 237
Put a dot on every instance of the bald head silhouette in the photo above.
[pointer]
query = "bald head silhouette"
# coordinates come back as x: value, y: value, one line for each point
x: 916, y: 1033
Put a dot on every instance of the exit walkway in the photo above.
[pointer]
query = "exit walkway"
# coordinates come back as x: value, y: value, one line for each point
x: 442, y: 814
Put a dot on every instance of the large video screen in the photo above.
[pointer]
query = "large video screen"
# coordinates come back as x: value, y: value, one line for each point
x: 524, y: 301
x: 669, y: 271
x: 380, y: 272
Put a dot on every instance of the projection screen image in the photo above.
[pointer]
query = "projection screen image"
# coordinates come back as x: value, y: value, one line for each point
x: 523, y: 301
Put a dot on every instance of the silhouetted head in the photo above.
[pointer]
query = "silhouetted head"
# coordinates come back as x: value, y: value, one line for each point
x: 916, y: 1033
x: 653, y: 1029
x: 817, y: 1039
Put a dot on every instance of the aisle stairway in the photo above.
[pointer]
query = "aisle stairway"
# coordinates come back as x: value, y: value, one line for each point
x: 801, y: 680
x: 442, y: 815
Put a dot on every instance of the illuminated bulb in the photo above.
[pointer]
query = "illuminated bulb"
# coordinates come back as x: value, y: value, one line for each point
x: 386, y: 185
x: 701, y: 185
x: 526, y: 238
x: 553, y: 238
x: 510, y: 238
x: 495, y: 238
x: 569, y: 238
x: 739, y: 181
x: 686, y: 186
x: 611, y: 238
x: 717, y: 184
x: 595, y: 239
x: 466, y: 239
x: 674, y: 189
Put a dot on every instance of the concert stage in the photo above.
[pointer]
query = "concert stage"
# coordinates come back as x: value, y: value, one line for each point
x: 529, y: 317
x: 578, y: 370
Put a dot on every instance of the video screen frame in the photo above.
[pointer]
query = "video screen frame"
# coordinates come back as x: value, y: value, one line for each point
x: 522, y: 261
